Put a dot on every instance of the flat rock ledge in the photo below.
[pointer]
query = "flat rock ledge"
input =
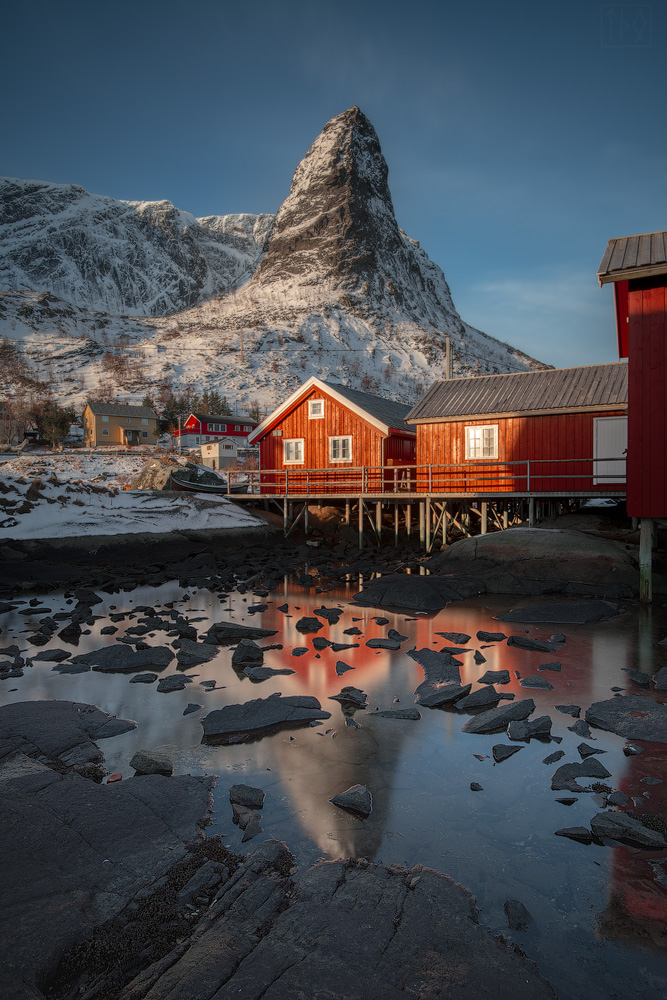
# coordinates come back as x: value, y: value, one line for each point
x: 636, y: 717
x: 260, y: 716
x: 349, y: 929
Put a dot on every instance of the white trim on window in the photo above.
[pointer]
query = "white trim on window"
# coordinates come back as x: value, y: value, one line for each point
x: 340, y: 448
x: 315, y: 409
x: 481, y: 442
x: 293, y: 451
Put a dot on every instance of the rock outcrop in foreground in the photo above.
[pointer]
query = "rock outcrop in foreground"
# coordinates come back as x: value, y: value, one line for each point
x: 344, y: 929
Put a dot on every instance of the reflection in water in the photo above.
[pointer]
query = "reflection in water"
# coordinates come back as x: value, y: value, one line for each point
x: 500, y: 842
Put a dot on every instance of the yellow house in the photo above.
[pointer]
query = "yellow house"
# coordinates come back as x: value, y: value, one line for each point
x: 118, y: 424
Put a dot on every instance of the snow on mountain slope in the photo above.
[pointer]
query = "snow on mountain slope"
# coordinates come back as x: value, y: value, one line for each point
x: 330, y: 286
x: 141, y: 258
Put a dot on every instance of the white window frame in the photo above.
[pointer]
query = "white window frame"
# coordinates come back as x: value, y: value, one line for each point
x: 298, y: 443
x: 478, y: 429
x: 335, y: 440
x: 313, y: 406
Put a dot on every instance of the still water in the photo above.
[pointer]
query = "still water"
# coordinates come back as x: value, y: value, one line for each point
x: 600, y: 917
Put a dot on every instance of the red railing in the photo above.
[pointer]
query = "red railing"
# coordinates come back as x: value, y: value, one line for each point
x: 529, y: 476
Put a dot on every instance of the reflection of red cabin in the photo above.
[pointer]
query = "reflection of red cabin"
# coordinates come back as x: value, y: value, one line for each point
x: 637, y: 266
x: 552, y: 431
x: 325, y: 435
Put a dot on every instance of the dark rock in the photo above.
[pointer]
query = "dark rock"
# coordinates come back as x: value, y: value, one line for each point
x: 501, y: 752
x: 62, y: 730
x: 173, y: 682
x: 342, y: 668
x: 586, y: 751
x: 309, y: 625
x: 108, y: 630
x: 143, y: 678
x: 257, y: 674
x: 634, y: 717
x: 650, y: 780
x: 338, y: 647
x: 228, y: 633
x: 579, y: 833
x: 71, y: 668
x: 254, y: 609
x: 565, y: 778
x: 192, y: 707
x: 247, y: 654
x: 247, y: 795
x: 381, y: 621
x: 495, y: 677
x: 561, y: 612
x: 619, y: 799
x: 481, y: 698
x: 350, y: 697
x: 640, y: 678
x: 332, y: 615
x: 393, y: 634
x: 413, y: 714
x: 415, y: 593
x: 123, y: 837
x: 630, y: 751
x: 491, y: 636
x: 553, y: 757
x: 536, y: 682
x: 567, y: 801
x: 55, y: 655
x: 458, y: 638
x: 528, y: 730
x: 320, y: 643
x: 434, y: 695
x: 152, y: 762
x: 581, y: 728
x: 621, y: 826
x: 572, y: 710
x: 356, y: 799
x: 252, y: 829
x: 283, y: 607
x: 517, y: 915
x: 301, y: 650
x: 538, y: 645
x: 383, y: 644
x: 120, y: 659
x: 550, y: 666
x: 191, y: 653
x: 660, y: 679
x: 498, y: 718
x: 352, y: 631
x: 256, y: 718
x: 475, y: 786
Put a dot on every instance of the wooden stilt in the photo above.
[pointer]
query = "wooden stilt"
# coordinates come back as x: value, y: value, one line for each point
x: 347, y: 513
x: 396, y: 518
x: 645, y: 560
x: 422, y: 530
x: 485, y: 518
x: 378, y: 521
x: 285, y: 518
x: 531, y: 512
x: 305, y: 517
x: 506, y: 519
x: 427, y: 524
x: 445, y: 524
x: 361, y: 524
x: 408, y: 519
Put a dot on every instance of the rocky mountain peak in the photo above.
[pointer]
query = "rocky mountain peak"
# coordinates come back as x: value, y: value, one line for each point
x: 339, y: 212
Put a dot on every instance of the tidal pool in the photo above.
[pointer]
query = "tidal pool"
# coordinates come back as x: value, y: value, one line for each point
x: 600, y: 913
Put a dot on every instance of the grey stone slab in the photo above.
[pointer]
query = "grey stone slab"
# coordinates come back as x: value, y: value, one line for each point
x: 635, y: 717
x: 261, y: 716
x: 499, y: 718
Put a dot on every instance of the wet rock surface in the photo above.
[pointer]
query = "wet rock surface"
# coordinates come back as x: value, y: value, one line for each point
x: 260, y: 716
x: 634, y: 716
x: 561, y: 612
x: 356, y: 799
x: 497, y: 719
x: 122, y: 659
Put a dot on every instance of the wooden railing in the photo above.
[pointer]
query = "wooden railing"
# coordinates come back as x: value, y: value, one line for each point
x: 529, y: 476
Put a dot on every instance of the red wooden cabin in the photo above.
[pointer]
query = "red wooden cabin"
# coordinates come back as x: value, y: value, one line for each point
x: 556, y: 431
x: 329, y: 438
x: 637, y: 267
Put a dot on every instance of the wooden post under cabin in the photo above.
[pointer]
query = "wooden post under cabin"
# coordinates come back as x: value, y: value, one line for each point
x: 408, y: 519
x: 396, y: 519
x: 361, y: 524
x: 645, y: 560
x: 485, y: 518
x: 422, y: 526
x: 445, y: 518
x: 427, y: 524
x: 378, y: 521
x: 347, y: 512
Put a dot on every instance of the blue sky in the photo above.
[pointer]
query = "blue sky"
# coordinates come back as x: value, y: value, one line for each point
x: 519, y: 137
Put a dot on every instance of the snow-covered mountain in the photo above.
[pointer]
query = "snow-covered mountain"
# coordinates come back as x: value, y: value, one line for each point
x: 248, y: 305
x: 143, y: 258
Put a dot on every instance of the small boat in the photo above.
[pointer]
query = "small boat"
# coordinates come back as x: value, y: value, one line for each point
x: 193, y: 478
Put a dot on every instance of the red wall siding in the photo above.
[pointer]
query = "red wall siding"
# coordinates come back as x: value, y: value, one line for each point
x: 338, y: 421
x: 647, y: 392
x: 540, y: 439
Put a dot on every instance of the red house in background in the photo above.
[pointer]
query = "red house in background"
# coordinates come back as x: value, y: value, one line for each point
x: 559, y: 431
x: 200, y: 428
x: 325, y: 434
x: 637, y: 267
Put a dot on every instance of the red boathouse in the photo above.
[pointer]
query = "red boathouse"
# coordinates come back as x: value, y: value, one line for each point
x: 331, y: 438
x: 554, y: 431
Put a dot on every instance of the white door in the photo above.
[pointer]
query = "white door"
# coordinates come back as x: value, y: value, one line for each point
x: 611, y: 445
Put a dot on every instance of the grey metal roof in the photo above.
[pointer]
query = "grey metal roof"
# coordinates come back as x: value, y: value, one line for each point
x: 591, y: 387
x: 121, y: 410
x: 385, y: 410
x: 634, y: 256
x: 229, y: 418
